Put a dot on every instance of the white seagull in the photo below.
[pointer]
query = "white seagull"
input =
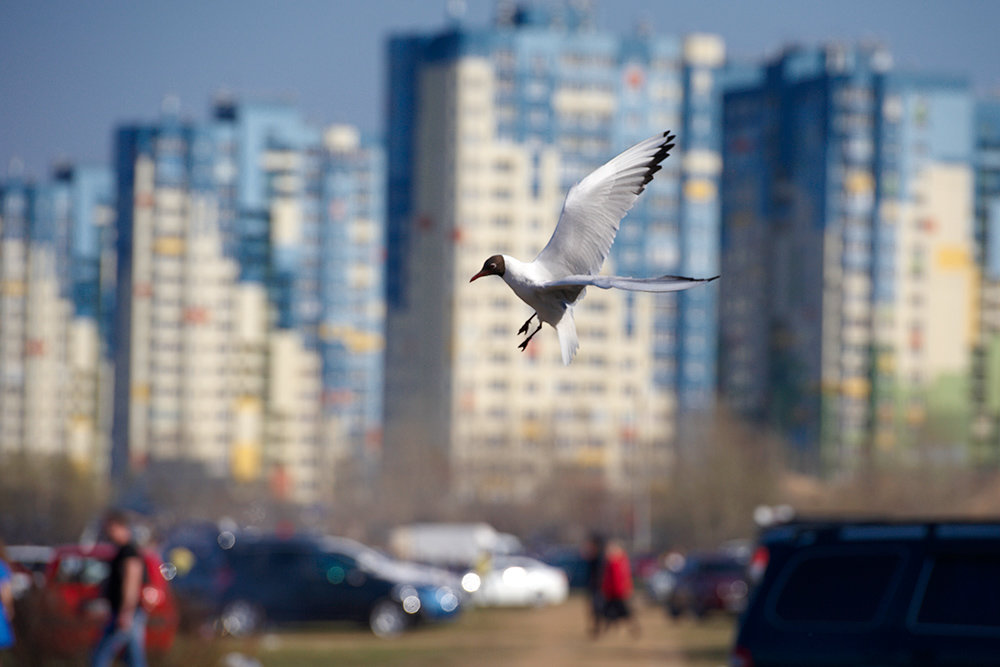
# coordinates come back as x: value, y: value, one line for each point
x: 555, y: 280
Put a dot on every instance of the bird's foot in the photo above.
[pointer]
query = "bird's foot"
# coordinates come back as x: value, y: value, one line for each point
x: 524, y: 343
x: 527, y: 323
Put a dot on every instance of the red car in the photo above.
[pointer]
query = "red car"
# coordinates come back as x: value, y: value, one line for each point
x: 74, y: 612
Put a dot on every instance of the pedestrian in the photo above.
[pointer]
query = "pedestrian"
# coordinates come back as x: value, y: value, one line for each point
x: 6, y: 603
x: 126, y: 629
x: 616, y: 587
x: 593, y: 558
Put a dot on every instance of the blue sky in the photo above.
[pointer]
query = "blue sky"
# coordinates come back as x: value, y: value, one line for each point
x: 71, y: 70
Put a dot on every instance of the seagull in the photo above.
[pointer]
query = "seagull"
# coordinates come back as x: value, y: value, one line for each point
x: 555, y: 280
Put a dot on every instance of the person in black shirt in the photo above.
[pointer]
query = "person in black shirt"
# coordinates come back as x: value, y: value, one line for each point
x: 593, y: 556
x: 126, y: 628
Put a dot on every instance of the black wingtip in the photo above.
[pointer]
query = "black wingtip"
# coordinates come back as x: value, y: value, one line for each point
x: 661, y: 154
x: 689, y: 279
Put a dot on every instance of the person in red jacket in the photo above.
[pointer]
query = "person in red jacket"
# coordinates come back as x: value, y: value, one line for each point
x: 616, y: 587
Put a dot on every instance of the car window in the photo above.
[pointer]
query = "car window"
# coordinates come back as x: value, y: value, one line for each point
x: 336, y: 567
x: 720, y: 567
x: 846, y: 587
x: 961, y: 592
x: 81, y: 570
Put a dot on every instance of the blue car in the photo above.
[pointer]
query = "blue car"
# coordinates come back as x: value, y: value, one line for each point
x: 269, y: 580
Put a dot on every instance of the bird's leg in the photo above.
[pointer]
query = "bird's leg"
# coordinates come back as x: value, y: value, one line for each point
x: 527, y: 323
x: 524, y: 343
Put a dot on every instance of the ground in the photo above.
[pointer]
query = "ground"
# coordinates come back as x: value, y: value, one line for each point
x: 550, y: 637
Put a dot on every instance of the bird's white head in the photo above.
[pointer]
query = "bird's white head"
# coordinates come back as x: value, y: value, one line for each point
x: 494, y: 266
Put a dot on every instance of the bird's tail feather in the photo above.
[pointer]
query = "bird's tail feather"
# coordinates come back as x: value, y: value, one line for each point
x: 566, y: 330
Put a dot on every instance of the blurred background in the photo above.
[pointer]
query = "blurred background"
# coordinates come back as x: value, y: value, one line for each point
x: 236, y: 238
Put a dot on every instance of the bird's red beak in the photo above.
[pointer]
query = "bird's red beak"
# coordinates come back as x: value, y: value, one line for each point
x: 478, y: 275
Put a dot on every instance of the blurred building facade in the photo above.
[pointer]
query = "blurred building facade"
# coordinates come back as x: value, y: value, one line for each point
x: 488, y: 128
x: 53, y: 363
x: 986, y: 383
x: 848, y: 309
x: 232, y: 349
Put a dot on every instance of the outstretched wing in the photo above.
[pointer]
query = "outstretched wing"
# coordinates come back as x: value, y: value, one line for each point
x: 595, y: 206
x: 661, y: 284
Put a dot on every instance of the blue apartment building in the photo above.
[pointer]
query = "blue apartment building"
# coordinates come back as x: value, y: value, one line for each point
x: 234, y: 246
x: 830, y: 160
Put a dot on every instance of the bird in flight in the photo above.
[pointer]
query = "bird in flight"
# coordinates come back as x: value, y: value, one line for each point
x: 555, y: 280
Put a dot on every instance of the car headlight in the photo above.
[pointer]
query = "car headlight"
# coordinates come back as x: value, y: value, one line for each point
x: 471, y: 582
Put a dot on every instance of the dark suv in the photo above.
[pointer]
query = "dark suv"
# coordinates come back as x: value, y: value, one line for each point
x: 874, y: 593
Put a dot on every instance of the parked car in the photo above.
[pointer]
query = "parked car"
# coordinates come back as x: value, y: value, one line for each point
x: 195, y: 557
x: 660, y: 585
x: 72, y: 612
x: 272, y: 580
x: 570, y: 560
x: 874, y: 593
x: 711, y: 581
x: 517, y: 581
x: 28, y: 563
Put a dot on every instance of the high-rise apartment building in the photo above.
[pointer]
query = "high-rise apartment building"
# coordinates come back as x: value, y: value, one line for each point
x: 352, y: 302
x: 488, y: 128
x: 230, y: 351
x: 847, y: 312
x: 52, y: 360
x: 986, y: 380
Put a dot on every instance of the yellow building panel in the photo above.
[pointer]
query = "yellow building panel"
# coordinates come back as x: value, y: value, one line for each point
x: 355, y: 340
x: 856, y: 388
x: 245, y: 461
x: 140, y: 392
x: 247, y: 404
x: 591, y: 457
x: 952, y: 257
x: 531, y: 430
x: 13, y: 288
x: 859, y: 182
x: 699, y: 189
x: 169, y: 245
x: 886, y: 363
x: 80, y: 422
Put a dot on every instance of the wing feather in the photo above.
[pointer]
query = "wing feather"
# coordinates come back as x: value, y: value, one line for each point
x: 661, y: 284
x: 595, y: 206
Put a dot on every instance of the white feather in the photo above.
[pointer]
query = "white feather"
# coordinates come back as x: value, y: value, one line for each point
x: 568, y: 341
x: 661, y: 284
x: 595, y: 206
